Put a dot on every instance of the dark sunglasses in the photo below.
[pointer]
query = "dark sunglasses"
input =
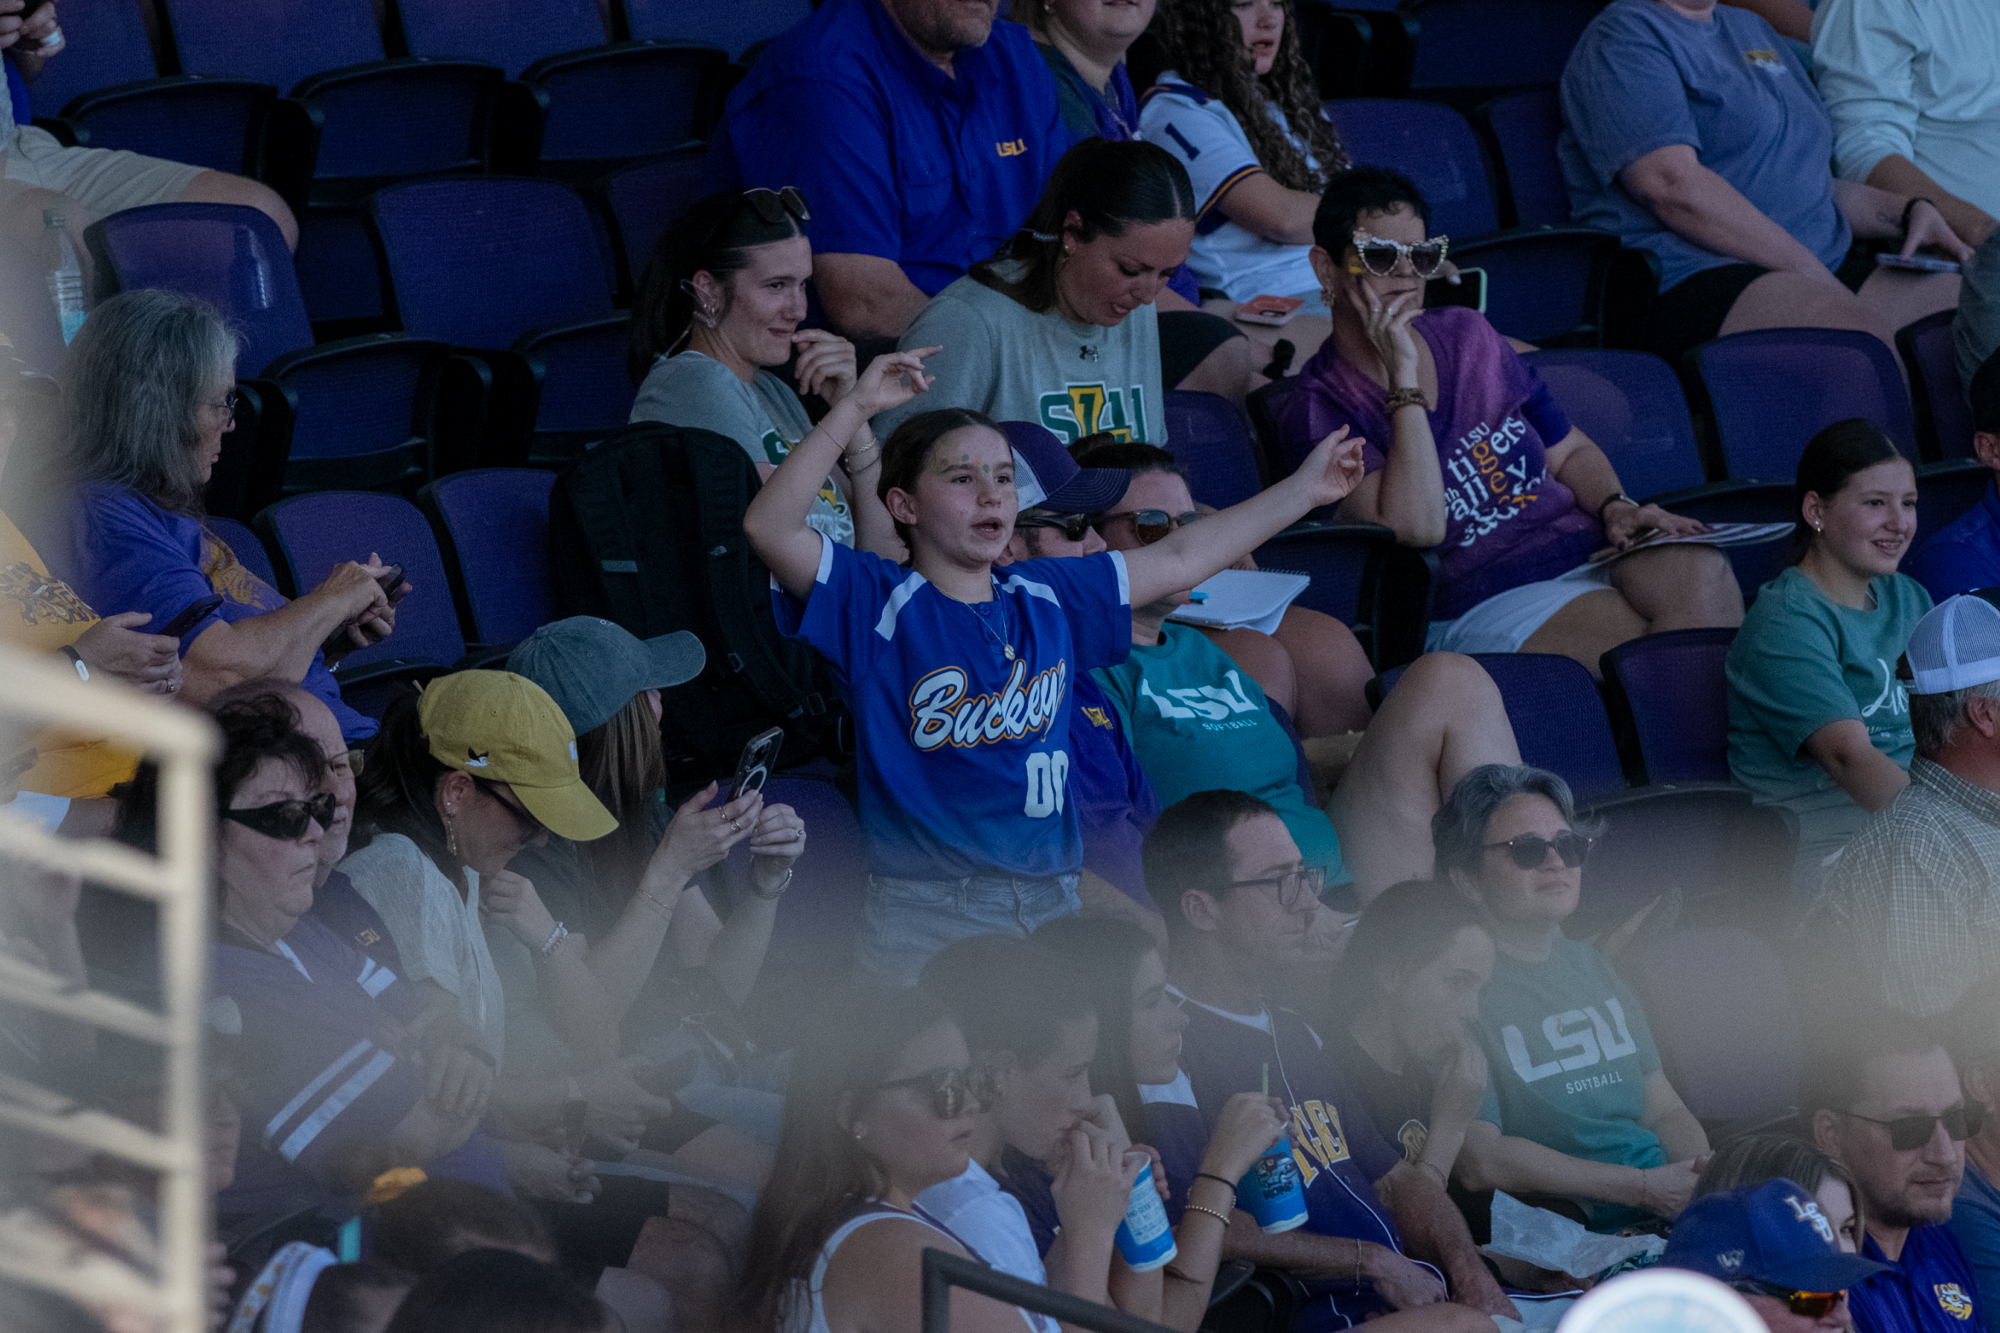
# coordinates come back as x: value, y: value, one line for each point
x: 1293, y: 886
x: 1151, y: 524
x: 772, y: 205
x: 1531, y: 849
x: 1379, y: 256
x: 1805, y: 1304
x: 1910, y: 1132
x: 951, y: 1090
x: 1073, y: 526
x: 527, y: 823
x: 286, y: 820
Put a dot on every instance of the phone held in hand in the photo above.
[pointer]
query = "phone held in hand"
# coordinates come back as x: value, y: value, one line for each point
x: 760, y: 756
x: 1469, y: 291
x: 200, y: 609
x: 388, y: 581
x: 1915, y: 263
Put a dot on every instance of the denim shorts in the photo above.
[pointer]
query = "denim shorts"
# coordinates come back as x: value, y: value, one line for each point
x: 905, y: 921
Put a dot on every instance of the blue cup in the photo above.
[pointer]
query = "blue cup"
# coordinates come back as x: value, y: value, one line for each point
x: 1271, y: 1191
x: 1144, y: 1237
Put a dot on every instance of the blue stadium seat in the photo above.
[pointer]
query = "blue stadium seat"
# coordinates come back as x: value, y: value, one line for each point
x: 1522, y: 129
x: 1944, y: 416
x: 233, y: 125
x: 1670, y: 691
x: 1771, y: 390
x: 245, y: 545
x: 492, y: 526
x: 1631, y: 405
x: 1471, y: 46
x: 109, y: 48
x: 1431, y: 144
x: 815, y: 933
x: 734, y: 27
x: 1947, y: 489
x: 498, y: 32
x: 1723, y: 1018
x: 641, y: 200
x: 614, y: 104
x: 1208, y: 438
x: 1544, y: 285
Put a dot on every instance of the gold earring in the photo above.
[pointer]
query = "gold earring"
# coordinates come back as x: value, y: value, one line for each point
x: 450, y: 832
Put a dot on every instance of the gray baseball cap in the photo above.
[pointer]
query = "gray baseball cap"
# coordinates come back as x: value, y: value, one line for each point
x: 592, y: 667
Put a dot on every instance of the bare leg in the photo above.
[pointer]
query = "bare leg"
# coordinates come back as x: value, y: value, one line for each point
x: 686, y: 1259
x: 1330, y: 670
x: 1792, y: 300
x: 1230, y: 370
x: 1443, y: 719
x: 1588, y: 627
x: 1265, y: 659
x: 219, y: 187
x: 1680, y: 587
x: 1901, y: 298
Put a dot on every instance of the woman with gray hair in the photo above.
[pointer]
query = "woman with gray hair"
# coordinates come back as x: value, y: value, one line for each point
x: 148, y: 394
x: 1576, y: 1102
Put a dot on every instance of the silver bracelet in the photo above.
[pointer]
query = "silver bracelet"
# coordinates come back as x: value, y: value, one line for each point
x: 778, y: 892
x: 555, y: 939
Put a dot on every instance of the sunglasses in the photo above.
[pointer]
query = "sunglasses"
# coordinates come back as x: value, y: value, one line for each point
x: 951, y: 1090
x: 1293, y: 885
x: 286, y: 820
x: 527, y: 823
x: 1531, y: 849
x: 772, y: 205
x: 1073, y: 526
x: 1806, y: 1304
x: 1379, y: 256
x: 1151, y: 524
x: 1911, y: 1132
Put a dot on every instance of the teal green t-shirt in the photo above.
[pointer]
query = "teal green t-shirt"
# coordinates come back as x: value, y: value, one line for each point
x: 1801, y: 661
x: 1568, y: 1052
x: 1198, y: 722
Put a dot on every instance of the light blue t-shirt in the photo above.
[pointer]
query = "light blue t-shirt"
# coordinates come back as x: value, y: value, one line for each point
x: 1644, y: 77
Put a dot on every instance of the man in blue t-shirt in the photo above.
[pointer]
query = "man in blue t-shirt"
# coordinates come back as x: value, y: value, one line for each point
x: 1964, y: 555
x: 1887, y: 1105
x: 1240, y: 906
x: 921, y: 132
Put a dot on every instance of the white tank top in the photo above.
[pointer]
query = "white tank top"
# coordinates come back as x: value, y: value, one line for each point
x: 809, y: 1315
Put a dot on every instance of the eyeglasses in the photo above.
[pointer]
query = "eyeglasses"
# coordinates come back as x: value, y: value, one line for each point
x: 286, y: 820
x: 1293, y: 885
x: 1911, y: 1132
x: 951, y: 1090
x: 1151, y: 524
x: 1805, y: 1304
x: 1379, y: 256
x: 772, y: 205
x: 1074, y: 526
x: 228, y: 404
x: 530, y: 826
x: 1531, y: 849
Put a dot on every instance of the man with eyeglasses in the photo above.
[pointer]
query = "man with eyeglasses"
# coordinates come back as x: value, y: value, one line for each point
x: 1774, y: 1247
x: 1240, y: 905
x: 1886, y: 1104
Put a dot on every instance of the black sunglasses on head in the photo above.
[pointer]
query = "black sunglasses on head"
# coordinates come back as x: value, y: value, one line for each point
x: 1909, y: 1132
x: 1073, y: 526
x: 1531, y: 849
x: 286, y: 820
x: 950, y: 1090
x: 1805, y: 1304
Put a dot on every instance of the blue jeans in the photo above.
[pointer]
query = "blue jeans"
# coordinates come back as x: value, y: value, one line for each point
x: 905, y: 921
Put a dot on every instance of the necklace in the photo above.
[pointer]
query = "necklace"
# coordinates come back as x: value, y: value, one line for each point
x: 1006, y: 648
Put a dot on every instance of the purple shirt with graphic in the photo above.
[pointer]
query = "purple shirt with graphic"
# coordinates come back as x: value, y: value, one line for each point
x: 1508, y: 522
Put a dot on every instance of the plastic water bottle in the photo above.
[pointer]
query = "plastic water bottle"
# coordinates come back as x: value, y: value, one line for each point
x: 65, y: 274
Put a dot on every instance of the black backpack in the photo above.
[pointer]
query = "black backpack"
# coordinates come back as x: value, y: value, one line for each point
x: 646, y: 530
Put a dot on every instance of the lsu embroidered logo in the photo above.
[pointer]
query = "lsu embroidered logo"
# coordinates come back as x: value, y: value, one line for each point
x: 941, y: 712
x: 1411, y: 1138
x: 1765, y: 58
x: 1807, y: 1210
x: 1011, y: 148
x: 1952, y: 1298
x: 1318, y: 1142
x: 366, y: 937
x: 1096, y: 718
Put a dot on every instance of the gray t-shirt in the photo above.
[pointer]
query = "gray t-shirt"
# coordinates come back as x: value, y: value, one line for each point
x: 1644, y: 77
x: 764, y: 416
x: 1000, y: 358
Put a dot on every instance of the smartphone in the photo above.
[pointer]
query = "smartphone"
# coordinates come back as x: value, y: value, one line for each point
x: 388, y: 580
x: 1274, y: 311
x: 191, y: 615
x: 760, y: 756
x: 1915, y: 263
x: 1468, y: 291
x: 668, y: 1076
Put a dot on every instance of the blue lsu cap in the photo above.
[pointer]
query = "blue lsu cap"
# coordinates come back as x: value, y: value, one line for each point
x: 1775, y: 1233
x: 1048, y: 478
x: 592, y: 667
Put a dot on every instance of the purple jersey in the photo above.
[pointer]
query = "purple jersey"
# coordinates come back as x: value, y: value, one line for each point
x: 1929, y: 1290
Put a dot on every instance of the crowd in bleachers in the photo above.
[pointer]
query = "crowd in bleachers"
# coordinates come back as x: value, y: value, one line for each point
x: 700, y: 531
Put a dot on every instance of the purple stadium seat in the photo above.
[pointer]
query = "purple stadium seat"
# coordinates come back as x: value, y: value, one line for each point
x: 1523, y: 128
x: 1432, y: 145
x: 734, y: 27
x: 1722, y: 1016
x: 511, y: 34
x: 642, y: 200
x: 1946, y: 490
x: 492, y: 526
x: 110, y: 48
x: 278, y: 42
x: 821, y: 914
x: 616, y: 103
x: 1944, y: 416
x: 1208, y: 438
x: 190, y: 118
x: 1474, y: 44
x: 1772, y: 390
x: 1670, y: 688
x: 1545, y: 285
x: 246, y: 545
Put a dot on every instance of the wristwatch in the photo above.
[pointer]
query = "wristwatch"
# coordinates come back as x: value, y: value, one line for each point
x: 1612, y: 499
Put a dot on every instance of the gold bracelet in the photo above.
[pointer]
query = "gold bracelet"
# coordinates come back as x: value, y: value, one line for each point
x: 1220, y: 1217
x: 1400, y: 398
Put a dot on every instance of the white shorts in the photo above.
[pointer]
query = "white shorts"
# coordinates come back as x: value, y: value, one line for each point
x: 103, y: 180
x: 1506, y: 620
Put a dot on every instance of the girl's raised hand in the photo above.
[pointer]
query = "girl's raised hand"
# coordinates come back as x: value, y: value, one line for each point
x: 892, y: 379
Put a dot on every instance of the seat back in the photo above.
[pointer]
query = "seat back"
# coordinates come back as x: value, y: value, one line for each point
x: 1208, y: 438
x: 492, y: 525
x: 585, y: 387
x: 1945, y: 491
x: 1544, y: 286
x: 229, y: 255
x: 1559, y: 719
x: 1494, y: 43
x: 734, y: 27
x: 644, y: 199
x: 512, y: 34
x: 311, y: 534
x: 1671, y: 691
x: 815, y: 932
x: 193, y: 119
x: 1944, y: 416
x: 1723, y: 1019
x: 1632, y: 406
x: 628, y: 101
x: 1772, y: 390
x: 278, y: 42
x: 479, y: 262
x: 111, y: 49
x: 246, y: 545
x: 1523, y: 128
x: 1431, y: 144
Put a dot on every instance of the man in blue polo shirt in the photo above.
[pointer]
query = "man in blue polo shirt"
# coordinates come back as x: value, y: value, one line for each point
x: 1887, y: 1105
x: 920, y: 131
x: 1965, y: 553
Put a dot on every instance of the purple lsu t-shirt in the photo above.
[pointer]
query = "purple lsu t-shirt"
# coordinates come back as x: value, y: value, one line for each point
x: 1508, y: 522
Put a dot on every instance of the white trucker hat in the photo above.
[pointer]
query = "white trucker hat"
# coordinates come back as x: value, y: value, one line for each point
x: 1956, y: 646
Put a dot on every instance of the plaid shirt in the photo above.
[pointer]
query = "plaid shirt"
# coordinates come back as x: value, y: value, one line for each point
x: 1916, y: 895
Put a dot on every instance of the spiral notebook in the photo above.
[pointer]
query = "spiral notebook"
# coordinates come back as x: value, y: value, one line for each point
x: 1243, y: 599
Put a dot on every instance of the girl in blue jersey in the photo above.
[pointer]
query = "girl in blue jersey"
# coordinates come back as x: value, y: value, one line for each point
x: 959, y: 678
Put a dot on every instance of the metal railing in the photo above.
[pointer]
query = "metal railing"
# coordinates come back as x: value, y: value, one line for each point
x: 182, y: 741
x: 944, y: 1271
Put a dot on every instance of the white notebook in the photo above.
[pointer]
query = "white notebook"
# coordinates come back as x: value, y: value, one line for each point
x: 1243, y: 599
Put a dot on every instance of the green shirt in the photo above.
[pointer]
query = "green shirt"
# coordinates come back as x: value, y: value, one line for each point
x: 1801, y: 661
x: 1569, y: 1052
x: 1198, y: 722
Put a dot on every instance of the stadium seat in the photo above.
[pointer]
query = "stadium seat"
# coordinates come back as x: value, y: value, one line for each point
x: 1944, y: 417
x: 1522, y: 129
x: 640, y: 201
x: 1544, y: 285
x: 1722, y: 1016
x: 1727, y: 857
x: 1364, y: 578
x: 1772, y: 390
x: 812, y: 942
x: 1468, y: 48
x: 246, y: 545
x: 110, y: 49
x: 492, y: 527
x: 613, y: 104
x: 496, y: 33
x: 1208, y: 438
x: 1946, y: 490
x: 734, y: 27
x: 1432, y: 145
x: 515, y: 268
x: 1667, y: 691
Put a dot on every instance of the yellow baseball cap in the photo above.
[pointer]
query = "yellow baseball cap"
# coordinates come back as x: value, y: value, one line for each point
x: 505, y: 728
